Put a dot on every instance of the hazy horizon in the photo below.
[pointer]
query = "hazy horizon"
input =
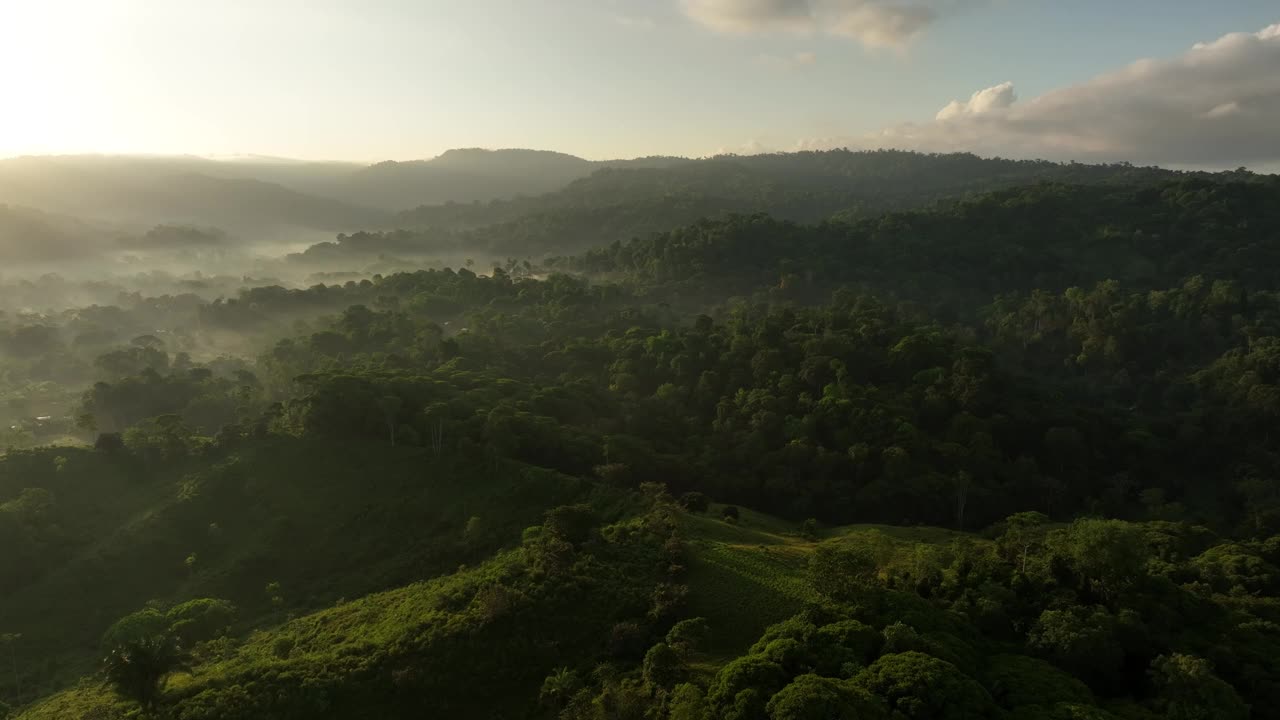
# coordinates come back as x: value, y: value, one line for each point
x: 1181, y: 85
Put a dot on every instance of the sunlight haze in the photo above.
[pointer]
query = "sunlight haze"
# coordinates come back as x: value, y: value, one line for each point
x: 398, y: 79
x: 639, y: 359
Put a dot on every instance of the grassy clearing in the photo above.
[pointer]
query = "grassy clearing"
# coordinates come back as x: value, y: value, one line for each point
x: 748, y: 575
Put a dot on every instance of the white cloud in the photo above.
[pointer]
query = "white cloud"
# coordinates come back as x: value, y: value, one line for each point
x: 750, y: 16
x: 881, y: 25
x: 751, y: 147
x: 874, y: 23
x: 993, y: 98
x: 1217, y: 104
x: 1224, y: 110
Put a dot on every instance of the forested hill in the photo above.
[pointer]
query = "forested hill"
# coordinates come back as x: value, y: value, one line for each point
x: 512, y: 493
x: 621, y: 203
x: 1048, y: 236
x: 805, y: 186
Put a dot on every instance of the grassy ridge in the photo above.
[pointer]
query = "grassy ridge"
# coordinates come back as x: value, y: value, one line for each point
x: 417, y: 651
x: 747, y: 575
x: 325, y: 523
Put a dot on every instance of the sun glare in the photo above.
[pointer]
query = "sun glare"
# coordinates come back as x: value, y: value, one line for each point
x: 56, y: 70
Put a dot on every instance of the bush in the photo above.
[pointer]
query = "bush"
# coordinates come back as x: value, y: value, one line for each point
x: 809, y: 529
x: 695, y: 502
x: 689, y: 636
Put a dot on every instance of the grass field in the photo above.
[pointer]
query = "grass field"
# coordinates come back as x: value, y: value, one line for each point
x: 748, y: 575
x: 325, y: 523
x: 742, y: 577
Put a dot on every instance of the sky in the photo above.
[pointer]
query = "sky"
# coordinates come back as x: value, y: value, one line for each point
x: 1172, y: 82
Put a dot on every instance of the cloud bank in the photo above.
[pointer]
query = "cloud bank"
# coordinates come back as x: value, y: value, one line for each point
x: 874, y: 23
x: 1218, y: 104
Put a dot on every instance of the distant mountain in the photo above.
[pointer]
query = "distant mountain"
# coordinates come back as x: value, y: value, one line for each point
x: 32, y: 236
x: 617, y: 203
x: 461, y: 176
x: 249, y: 193
x: 147, y: 191
x: 471, y: 175
x: 512, y: 202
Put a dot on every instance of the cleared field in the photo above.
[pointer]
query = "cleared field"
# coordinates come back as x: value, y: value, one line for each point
x: 747, y: 575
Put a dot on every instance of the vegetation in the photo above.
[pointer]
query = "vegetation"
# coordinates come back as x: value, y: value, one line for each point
x: 911, y: 438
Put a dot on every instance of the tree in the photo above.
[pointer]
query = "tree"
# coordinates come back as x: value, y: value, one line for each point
x: 135, y: 627
x: 473, y: 529
x: 136, y: 669
x: 1107, y: 556
x: 390, y: 406
x: 559, y: 688
x: 1188, y: 690
x: 920, y: 687
x: 1081, y: 640
x: 730, y: 513
x: 436, y: 415
x: 571, y: 523
x: 687, y: 702
x: 689, y: 636
x: 695, y: 502
x: 812, y: 697
x: 614, y: 474
x: 747, y: 673
x: 10, y: 640
x: 1023, y: 532
x: 809, y: 529
x: 663, y: 667
x: 1017, y: 680
x: 201, y: 619
x: 961, y: 483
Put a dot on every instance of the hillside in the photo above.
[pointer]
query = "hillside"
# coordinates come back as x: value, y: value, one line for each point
x: 872, y: 618
x: 767, y: 560
x: 462, y: 176
x: 1079, y: 379
x: 244, y: 193
x: 414, y: 648
x: 617, y: 204
x: 135, y: 524
x: 28, y: 235
x: 146, y: 192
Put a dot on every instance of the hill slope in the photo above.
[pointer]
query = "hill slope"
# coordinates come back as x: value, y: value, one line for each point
x: 146, y: 192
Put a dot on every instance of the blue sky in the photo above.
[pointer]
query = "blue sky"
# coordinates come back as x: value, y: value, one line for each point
x: 403, y: 79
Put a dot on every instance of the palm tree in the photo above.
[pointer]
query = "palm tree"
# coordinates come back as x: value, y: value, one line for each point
x: 559, y: 688
x: 137, y: 669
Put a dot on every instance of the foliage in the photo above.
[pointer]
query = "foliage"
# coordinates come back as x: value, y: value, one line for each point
x: 919, y: 686
x: 136, y: 668
x: 405, y: 482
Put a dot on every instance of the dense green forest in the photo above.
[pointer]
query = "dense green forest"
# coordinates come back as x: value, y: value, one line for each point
x: 824, y: 435
x: 618, y: 203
